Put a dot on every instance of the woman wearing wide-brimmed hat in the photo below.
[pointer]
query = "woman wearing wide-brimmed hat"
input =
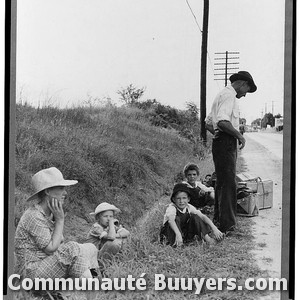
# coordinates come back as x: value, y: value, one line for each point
x: 39, y: 244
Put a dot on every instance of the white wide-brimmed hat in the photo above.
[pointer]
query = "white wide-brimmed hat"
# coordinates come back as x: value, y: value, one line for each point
x: 103, y: 207
x: 48, y: 178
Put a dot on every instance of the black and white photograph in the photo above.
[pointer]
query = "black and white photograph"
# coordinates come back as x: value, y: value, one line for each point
x: 150, y: 151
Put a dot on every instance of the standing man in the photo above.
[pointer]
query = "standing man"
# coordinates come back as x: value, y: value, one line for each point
x: 242, y: 128
x: 225, y: 120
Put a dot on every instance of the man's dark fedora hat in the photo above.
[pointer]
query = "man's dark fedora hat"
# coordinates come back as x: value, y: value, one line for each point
x: 244, y: 75
x: 180, y: 187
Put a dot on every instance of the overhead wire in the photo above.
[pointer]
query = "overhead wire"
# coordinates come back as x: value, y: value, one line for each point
x: 201, y: 32
x: 187, y: 2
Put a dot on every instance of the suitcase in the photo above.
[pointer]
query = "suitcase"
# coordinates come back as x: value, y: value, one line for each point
x: 245, y: 177
x: 247, y: 207
x: 263, y: 188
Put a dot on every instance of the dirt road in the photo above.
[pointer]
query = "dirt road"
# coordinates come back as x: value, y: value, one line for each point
x: 262, y: 156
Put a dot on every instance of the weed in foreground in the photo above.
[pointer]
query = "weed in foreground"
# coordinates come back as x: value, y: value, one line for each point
x: 230, y: 258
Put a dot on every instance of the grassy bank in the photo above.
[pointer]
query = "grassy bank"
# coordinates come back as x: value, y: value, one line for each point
x: 118, y: 156
x: 115, y: 154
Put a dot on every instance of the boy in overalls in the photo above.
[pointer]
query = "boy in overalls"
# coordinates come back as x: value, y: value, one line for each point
x: 182, y: 221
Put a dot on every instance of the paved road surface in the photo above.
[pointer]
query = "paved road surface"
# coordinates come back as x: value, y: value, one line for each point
x: 263, y: 157
x: 273, y: 142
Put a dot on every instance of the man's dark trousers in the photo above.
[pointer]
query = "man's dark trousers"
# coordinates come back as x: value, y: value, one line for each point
x: 224, y: 149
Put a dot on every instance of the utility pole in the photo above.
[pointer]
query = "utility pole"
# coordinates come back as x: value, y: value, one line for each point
x: 229, y: 60
x: 203, y: 70
x: 272, y: 107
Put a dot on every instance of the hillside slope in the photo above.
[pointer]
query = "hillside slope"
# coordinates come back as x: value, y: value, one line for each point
x: 115, y: 153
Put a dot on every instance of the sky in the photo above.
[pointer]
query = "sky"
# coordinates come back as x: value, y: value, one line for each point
x: 70, y: 50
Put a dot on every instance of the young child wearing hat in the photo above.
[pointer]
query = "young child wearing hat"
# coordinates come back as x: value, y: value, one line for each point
x: 106, y: 234
x: 200, y: 194
x: 182, y: 221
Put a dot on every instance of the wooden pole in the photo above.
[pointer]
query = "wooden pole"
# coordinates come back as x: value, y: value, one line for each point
x: 226, y: 60
x: 203, y: 70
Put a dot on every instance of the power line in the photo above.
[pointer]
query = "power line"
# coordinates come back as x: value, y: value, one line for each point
x: 201, y: 32
x: 193, y: 15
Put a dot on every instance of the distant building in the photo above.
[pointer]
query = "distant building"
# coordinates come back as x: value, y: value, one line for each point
x: 279, y: 123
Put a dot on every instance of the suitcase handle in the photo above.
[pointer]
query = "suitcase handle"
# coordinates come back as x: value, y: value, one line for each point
x: 258, y: 179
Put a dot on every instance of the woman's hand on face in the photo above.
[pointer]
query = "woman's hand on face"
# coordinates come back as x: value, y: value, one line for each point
x: 56, y: 207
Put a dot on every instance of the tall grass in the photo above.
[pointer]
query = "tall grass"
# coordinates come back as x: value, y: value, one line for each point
x: 115, y: 153
x: 143, y: 254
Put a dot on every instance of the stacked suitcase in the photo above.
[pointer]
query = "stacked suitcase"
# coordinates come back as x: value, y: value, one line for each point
x: 261, y: 196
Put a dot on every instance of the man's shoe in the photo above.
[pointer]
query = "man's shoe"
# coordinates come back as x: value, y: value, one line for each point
x: 228, y: 231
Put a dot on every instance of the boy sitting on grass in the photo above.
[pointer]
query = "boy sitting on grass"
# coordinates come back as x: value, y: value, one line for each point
x: 106, y: 234
x: 182, y: 221
x: 200, y: 195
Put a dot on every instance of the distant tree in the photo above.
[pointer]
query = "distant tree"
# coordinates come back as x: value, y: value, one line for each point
x: 256, y: 122
x: 131, y: 94
x: 278, y: 116
x: 268, y: 119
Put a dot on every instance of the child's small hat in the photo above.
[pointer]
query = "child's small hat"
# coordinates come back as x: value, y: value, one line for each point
x: 180, y: 187
x: 103, y: 207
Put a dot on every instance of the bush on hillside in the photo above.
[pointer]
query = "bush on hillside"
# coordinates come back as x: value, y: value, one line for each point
x: 116, y: 154
x: 186, y: 122
x: 131, y: 94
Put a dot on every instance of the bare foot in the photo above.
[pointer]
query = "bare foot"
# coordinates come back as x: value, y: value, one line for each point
x: 209, y: 240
